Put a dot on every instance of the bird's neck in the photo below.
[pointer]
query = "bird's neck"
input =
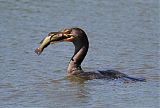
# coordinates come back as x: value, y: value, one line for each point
x: 81, y: 49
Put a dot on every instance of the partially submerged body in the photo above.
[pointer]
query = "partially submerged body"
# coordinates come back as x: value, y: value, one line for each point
x: 79, y: 38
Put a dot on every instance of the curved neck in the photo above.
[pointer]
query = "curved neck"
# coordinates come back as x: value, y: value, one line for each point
x: 81, y: 49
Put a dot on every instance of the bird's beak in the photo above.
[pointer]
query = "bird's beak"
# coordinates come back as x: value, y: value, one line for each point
x: 54, y: 37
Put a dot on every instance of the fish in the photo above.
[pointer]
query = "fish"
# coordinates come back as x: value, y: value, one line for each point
x: 52, y: 38
x: 43, y: 44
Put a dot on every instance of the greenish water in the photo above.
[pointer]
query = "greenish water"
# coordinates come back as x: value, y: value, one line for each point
x: 123, y: 35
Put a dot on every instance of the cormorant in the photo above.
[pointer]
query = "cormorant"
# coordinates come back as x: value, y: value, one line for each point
x: 79, y: 38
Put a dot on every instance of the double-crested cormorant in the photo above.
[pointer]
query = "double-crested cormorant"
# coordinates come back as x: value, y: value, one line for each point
x: 80, y: 41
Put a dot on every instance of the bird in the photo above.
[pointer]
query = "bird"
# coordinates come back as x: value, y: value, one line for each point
x: 80, y: 41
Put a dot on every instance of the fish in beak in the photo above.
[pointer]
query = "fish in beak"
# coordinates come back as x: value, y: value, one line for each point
x: 54, y: 37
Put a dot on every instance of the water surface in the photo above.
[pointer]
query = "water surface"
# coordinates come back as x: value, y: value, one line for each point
x: 123, y: 36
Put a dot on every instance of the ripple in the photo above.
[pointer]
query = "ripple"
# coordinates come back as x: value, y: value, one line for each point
x: 6, y: 85
x: 148, y: 66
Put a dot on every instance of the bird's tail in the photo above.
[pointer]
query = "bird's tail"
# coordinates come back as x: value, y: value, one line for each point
x: 135, y: 79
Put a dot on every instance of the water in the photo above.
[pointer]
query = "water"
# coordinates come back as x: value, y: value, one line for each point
x: 123, y: 36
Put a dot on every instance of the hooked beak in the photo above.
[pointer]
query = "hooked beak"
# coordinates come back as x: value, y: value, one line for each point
x: 54, y: 37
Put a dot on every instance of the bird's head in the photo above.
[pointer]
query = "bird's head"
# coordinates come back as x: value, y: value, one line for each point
x: 74, y: 35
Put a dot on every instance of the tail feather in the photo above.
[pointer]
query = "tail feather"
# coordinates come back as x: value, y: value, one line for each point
x: 116, y: 75
x: 136, y: 79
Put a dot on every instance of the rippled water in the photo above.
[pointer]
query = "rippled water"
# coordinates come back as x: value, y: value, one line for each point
x: 123, y: 35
